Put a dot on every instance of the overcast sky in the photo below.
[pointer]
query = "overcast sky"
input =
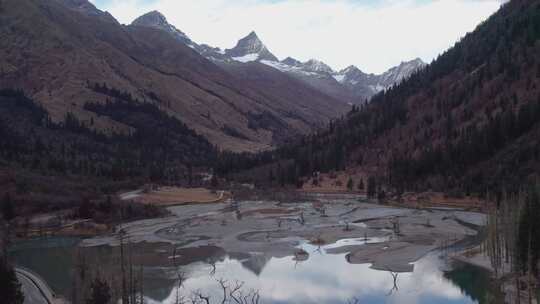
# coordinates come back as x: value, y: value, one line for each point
x: 374, y: 35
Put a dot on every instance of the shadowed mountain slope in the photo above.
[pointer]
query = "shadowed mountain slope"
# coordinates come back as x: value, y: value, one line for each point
x: 56, y: 51
x: 469, y: 121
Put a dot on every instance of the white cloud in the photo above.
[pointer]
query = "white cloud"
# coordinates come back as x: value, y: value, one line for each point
x: 342, y: 32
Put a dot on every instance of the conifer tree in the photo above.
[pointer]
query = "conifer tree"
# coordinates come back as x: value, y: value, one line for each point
x: 10, y: 288
x: 350, y: 184
x: 100, y: 292
x: 8, y: 210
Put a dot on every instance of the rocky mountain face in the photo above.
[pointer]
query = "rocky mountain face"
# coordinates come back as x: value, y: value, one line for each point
x: 75, y: 54
x: 317, y: 66
x: 367, y: 85
x: 239, y: 99
x: 157, y: 21
x: 86, y: 8
x: 291, y: 62
x: 250, y: 48
x: 350, y: 85
x: 399, y: 73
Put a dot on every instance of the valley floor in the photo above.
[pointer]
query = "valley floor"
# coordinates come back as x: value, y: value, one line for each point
x: 399, y: 236
x: 170, y: 196
x: 347, y: 226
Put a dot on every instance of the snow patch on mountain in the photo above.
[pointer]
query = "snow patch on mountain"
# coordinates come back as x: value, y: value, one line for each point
x: 348, y: 84
x: 402, y: 71
x: 247, y: 58
x: 377, y: 88
x: 315, y: 65
x: 251, y: 44
x: 287, y: 68
x: 339, y: 78
x: 356, y: 80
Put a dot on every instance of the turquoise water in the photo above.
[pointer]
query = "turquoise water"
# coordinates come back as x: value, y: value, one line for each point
x: 321, y: 278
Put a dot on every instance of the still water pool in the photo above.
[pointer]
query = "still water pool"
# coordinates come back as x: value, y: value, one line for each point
x: 320, y: 277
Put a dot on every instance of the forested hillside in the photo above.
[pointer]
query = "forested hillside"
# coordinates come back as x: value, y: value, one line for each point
x: 158, y: 146
x: 467, y: 122
x: 52, y: 49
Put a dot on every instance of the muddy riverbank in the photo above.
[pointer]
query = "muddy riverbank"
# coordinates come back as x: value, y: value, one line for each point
x: 275, y: 229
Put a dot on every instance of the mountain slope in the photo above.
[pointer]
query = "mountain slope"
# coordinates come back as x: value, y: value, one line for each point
x: 159, y: 146
x: 250, y: 48
x: 468, y: 122
x: 351, y: 84
x: 356, y: 87
x: 364, y: 86
x: 156, y: 20
x: 69, y: 46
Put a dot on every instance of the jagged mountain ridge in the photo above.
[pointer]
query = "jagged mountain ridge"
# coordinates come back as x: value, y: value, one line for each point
x: 156, y: 20
x: 468, y: 123
x: 69, y: 46
x: 250, y: 48
x: 355, y: 79
x: 86, y: 8
x: 349, y: 85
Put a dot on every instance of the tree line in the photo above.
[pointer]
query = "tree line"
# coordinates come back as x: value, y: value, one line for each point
x: 158, y: 147
x: 480, y: 98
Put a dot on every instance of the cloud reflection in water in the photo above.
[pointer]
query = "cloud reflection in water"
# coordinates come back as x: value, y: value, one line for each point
x: 325, y: 278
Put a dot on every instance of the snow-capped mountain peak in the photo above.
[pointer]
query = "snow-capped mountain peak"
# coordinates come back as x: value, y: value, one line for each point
x: 315, y: 65
x: 251, y: 43
x: 349, y: 84
x: 402, y: 71
x: 253, y: 36
x: 351, y: 75
x: 352, y: 71
x: 250, y: 48
x: 348, y: 69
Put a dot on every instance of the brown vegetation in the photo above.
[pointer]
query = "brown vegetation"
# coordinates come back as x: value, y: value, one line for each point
x: 169, y: 196
x: 65, y: 49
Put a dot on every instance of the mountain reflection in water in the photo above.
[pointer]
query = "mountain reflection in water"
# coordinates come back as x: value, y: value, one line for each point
x: 328, y: 278
x: 319, y: 277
